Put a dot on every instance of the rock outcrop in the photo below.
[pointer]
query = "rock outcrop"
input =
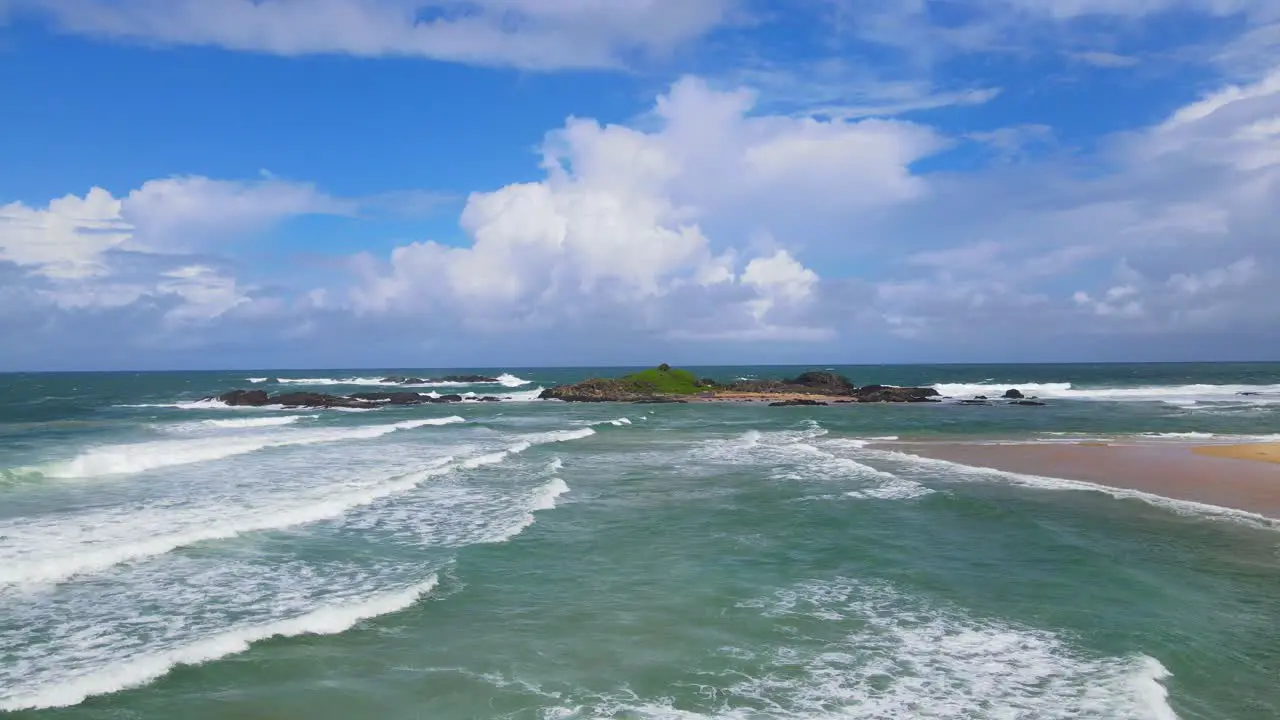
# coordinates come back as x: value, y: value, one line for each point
x: 1030, y: 403
x: 409, y: 380
x: 797, y: 402
x: 1013, y: 394
x: 889, y: 393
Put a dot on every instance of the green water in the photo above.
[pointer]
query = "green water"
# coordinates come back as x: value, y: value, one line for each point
x: 161, y: 558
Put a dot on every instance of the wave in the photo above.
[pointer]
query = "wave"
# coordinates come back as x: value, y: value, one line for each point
x: 505, y: 380
x: 29, y: 568
x: 141, y: 670
x: 141, y: 457
x: 1187, y: 508
x: 870, y: 650
x: 807, y: 456
x: 1172, y: 394
x: 246, y: 423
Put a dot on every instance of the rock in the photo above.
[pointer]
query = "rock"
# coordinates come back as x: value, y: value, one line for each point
x: 310, y: 399
x: 1026, y: 402
x: 449, y: 398
x: 470, y: 379
x: 1013, y: 394
x: 489, y: 398
x: 595, y: 390
x: 979, y: 397
x: 708, y: 382
x: 797, y: 402
x: 402, y: 380
x: 245, y: 398
x: 828, y: 383
x: 889, y: 393
x: 1248, y: 393
x: 974, y: 402
x: 392, y: 398
x: 758, y: 386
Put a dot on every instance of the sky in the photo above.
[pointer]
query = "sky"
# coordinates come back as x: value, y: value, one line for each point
x: 205, y: 184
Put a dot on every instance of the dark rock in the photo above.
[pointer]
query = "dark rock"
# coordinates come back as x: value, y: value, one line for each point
x: 797, y: 402
x: 246, y: 398
x: 392, y: 398
x: 489, y: 398
x: 889, y: 393
x: 1248, y: 393
x: 402, y: 380
x: 1026, y: 402
x: 595, y: 390
x: 319, y: 400
x: 979, y: 397
x: 758, y: 386
x: 974, y: 402
x: 1013, y: 394
x: 828, y: 383
x: 449, y: 398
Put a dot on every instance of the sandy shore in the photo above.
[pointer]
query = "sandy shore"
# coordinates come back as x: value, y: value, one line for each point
x: 1223, y: 475
x: 1261, y: 452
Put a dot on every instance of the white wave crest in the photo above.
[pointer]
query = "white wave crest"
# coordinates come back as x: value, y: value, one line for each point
x: 237, y: 423
x: 141, y: 670
x: 810, y: 456
x: 140, y: 457
x: 1172, y: 394
x: 257, y: 380
x: 1188, y: 508
x: 509, y: 380
x: 49, y: 552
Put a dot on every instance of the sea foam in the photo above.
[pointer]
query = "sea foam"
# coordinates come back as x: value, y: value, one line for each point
x: 1171, y: 394
x: 140, y: 457
x: 136, y: 671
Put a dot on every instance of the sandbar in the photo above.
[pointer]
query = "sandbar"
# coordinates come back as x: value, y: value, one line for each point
x: 1224, y: 475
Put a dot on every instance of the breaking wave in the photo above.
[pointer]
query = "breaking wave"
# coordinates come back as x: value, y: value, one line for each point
x: 328, y: 620
x: 140, y: 457
x: 1172, y: 394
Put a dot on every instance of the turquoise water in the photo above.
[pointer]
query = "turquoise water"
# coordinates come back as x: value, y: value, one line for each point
x: 161, y: 557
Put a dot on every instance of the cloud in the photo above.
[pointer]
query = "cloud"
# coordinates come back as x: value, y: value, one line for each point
x: 73, y: 238
x: 1182, y: 212
x: 528, y: 34
x: 617, y: 230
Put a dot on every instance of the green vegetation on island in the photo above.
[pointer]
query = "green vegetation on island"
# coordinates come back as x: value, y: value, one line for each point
x: 663, y: 380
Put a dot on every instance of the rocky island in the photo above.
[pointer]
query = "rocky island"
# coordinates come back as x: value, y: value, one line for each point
x: 667, y: 384
x: 663, y: 384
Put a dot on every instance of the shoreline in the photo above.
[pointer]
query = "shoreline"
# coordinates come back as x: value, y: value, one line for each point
x: 1239, y: 476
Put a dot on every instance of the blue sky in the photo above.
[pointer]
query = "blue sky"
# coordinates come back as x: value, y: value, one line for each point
x: 329, y: 183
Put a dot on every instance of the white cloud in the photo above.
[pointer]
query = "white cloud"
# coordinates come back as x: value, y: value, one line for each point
x: 617, y: 225
x: 67, y: 238
x: 534, y: 34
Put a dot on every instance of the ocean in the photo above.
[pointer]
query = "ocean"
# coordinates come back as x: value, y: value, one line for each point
x: 162, y: 557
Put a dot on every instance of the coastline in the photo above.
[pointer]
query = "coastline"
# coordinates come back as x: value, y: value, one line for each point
x: 1240, y: 476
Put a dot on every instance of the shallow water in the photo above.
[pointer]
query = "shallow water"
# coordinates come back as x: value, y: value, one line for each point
x: 163, y: 558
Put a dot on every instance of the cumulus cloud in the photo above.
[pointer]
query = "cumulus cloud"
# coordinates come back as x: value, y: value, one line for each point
x: 619, y: 223
x: 531, y: 34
